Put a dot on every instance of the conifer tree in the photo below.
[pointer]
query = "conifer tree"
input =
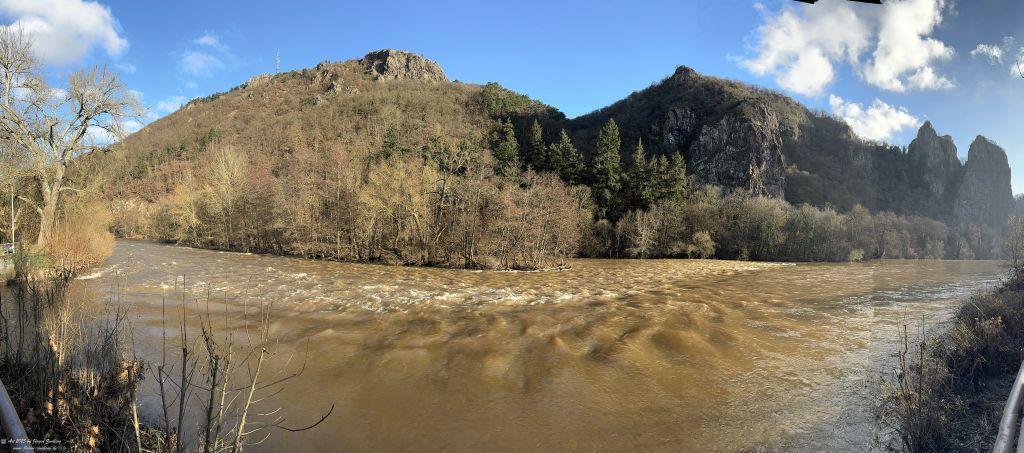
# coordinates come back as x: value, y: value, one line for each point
x: 640, y: 180
x: 505, y: 149
x: 606, y: 170
x: 676, y: 181
x: 566, y: 159
x: 536, y: 155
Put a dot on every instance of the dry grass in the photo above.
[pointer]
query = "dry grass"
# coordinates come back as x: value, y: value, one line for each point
x: 947, y: 393
x: 75, y: 378
x: 69, y: 373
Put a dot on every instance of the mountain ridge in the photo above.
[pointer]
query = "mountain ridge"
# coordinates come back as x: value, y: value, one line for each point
x: 731, y: 134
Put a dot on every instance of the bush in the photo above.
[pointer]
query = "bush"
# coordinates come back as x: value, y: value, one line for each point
x: 81, y: 237
x: 703, y: 246
x: 948, y: 394
x: 855, y: 255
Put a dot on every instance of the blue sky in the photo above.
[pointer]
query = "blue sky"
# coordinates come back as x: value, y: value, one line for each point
x: 886, y: 69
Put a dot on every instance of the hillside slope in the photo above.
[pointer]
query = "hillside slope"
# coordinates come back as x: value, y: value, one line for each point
x: 384, y: 158
x: 736, y: 135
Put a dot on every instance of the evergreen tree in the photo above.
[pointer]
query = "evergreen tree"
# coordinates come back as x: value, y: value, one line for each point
x: 640, y: 183
x: 536, y: 155
x: 392, y: 145
x: 677, y: 183
x: 566, y: 160
x: 606, y: 170
x: 505, y: 149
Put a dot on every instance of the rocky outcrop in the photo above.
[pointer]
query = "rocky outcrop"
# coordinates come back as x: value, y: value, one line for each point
x: 936, y: 165
x: 258, y: 80
x: 390, y: 64
x: 740, y: 136
x: 727, y: 140
x: 742, y: 149
x: 985, y: 196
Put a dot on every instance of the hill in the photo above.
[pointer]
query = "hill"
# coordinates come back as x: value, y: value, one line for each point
x: 384, y: 158
x: 736, y: 135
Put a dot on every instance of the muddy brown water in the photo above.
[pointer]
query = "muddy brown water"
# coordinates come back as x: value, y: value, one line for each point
x: 610, y: 355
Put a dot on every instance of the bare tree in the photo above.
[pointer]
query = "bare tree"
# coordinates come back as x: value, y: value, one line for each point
x: 1015, y: 244
x: 49, y: 127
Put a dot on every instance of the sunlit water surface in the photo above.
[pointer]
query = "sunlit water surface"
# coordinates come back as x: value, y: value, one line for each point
x: 610, y: 355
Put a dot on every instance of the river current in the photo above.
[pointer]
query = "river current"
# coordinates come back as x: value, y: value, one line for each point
x: 609, y: 355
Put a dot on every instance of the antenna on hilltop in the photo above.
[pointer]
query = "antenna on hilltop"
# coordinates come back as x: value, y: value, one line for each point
x: 277, y: 63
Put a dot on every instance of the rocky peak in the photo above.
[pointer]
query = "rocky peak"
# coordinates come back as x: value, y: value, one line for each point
x: 937, y: 167
x: 684, y: 72
x: 985, y: 194
x: 391, y: 64
x: 927, y: 130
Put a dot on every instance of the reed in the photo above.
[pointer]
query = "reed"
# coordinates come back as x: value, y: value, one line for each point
x: 75, y: 377
x: 946, y: 393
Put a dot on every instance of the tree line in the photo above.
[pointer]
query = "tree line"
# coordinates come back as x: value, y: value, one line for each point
x: 505, y: 189
x: 517, y: 201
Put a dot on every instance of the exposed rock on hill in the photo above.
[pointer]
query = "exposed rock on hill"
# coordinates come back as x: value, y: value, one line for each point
x: 742, y: 149
x: 390, y: 64
x: 938, y: 169
x: 728, y: 133
x: 740, y: 136
x: 985, y: 195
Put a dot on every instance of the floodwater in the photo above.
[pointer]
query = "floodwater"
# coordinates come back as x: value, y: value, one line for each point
x: 610, y: 355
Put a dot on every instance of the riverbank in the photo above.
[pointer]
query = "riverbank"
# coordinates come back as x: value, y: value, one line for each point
x: 948, y: 393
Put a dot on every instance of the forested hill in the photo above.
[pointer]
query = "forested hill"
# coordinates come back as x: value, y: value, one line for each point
x: 737, y: 135
x: 385, y: 158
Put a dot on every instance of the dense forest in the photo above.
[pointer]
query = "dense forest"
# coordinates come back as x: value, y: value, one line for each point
x: 340, y: 162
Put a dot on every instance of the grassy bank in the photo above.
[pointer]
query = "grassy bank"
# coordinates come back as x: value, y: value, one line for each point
x: 947, y: 393
x: 70, y: 367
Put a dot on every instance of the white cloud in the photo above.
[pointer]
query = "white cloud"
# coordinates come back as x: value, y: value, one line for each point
x: 171, y: 104
x: 926, y: 79
x: 905, y: 53
x: 879, y: 121
x: 58, y: 93
x: 1002, y: 54
x: 206, y: 55
x: 991, y: 51
x: 210, y: 39
x: 197, y: 62
x: 132, y: 126
x: 127, y: 68
x: 801, y: 46
x: 63, y: 31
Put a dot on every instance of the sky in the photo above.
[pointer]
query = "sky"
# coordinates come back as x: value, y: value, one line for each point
x: 885, y: 69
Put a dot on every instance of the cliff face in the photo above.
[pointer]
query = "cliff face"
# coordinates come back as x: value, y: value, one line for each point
x: 985, y: 194
x: 390, y: 64
x: 937, y: 168
x: 742, y: 149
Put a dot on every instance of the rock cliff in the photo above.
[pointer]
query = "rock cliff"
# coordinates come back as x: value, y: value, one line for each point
x: 390, y: 64
x: 937, y: 167
x: 740, y: 136
x: 727, y: 137
x: 985, y: 194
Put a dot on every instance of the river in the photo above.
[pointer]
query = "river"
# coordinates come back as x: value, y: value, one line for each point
x: 610, y: 355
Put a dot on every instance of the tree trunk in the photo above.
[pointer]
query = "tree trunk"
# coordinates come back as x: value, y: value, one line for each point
x: 47, y: 218
x: 48, y: 213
